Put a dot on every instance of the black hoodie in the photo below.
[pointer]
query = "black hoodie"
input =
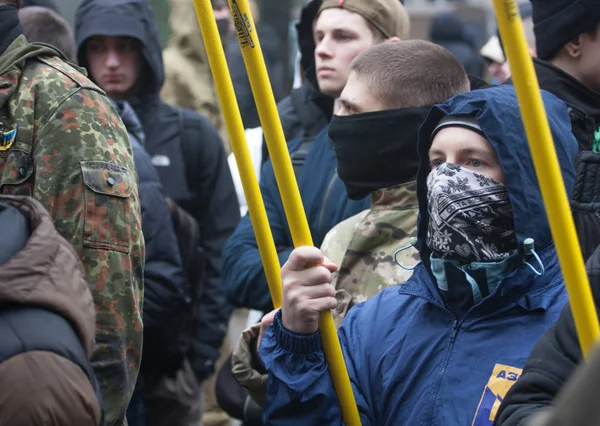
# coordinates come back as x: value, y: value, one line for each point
x: 189, y: 157
x: 584, y: 111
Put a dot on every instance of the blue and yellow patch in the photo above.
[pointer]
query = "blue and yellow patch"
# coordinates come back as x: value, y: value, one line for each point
x: 502, y: 379
x: 8, y: 139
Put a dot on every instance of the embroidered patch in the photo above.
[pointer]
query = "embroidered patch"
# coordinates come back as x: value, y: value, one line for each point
x: 8, y: 138
x: 502, y: 379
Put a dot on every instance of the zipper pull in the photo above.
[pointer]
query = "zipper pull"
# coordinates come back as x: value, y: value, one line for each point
x: 454, y: 331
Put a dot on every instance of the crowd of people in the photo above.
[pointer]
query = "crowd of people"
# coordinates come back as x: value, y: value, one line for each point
x: 127, y: 244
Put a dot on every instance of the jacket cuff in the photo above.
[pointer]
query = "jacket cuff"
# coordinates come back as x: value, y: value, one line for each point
x: 300, y: 344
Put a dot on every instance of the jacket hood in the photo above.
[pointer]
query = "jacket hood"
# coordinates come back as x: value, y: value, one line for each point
x: 306, y: 41
x: 47, y: 273
x: 19, y: 51
x: 497, y: 112
x: 130, y: 18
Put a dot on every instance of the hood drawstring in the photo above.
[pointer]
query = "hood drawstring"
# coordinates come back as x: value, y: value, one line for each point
x: 413, y: 243
x: 528, y: 246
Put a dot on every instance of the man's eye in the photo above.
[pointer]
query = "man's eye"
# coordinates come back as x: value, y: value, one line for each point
x: 436, y: 163
x: 475, y: 163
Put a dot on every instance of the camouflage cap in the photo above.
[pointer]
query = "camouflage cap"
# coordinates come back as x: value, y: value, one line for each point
x: 388, y: 16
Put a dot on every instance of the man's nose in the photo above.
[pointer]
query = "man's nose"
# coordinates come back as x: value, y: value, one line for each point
x: 112, y: 59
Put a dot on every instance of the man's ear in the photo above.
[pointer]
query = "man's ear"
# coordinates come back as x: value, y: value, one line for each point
x: 573, y: 48
x: 393, y: 40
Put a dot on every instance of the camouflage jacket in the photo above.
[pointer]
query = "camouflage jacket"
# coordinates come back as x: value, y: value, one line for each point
x: 188, y: 78
x: 71, y: 152
x: 363, y: 246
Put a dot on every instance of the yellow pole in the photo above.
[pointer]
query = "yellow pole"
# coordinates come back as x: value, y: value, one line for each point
x: 235, y: 128
x: 548, y: 173
x: 288, y: 188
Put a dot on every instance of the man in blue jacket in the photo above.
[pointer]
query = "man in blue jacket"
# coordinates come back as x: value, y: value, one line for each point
x: 445, y: 347
x: 343, y: 30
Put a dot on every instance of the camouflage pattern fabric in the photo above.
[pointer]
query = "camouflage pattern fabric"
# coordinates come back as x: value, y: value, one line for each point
x: 363, y: 247
x: 188, y: 78
x: 72, y: 154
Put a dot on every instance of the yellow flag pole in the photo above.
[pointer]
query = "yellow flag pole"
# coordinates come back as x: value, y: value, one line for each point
x: 235, y: 128
x: 548, y: 173
x: 288, y: 188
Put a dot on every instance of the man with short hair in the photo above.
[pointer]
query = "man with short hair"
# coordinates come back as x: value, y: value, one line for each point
x: 65, y: 146
x: 342, y: 31
x: 41, y: 24
x: 391, y: 88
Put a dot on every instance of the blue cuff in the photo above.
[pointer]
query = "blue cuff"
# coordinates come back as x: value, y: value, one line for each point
x: 296, y: 343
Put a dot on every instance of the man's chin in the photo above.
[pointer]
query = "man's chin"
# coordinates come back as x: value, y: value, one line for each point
x: 331, y: 90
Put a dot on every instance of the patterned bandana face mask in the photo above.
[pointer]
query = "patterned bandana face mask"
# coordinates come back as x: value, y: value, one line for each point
x: 470, y: 216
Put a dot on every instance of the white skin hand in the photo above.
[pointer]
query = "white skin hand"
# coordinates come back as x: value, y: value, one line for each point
x: 307, y: 289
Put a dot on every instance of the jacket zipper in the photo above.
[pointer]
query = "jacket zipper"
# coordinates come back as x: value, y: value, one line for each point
x: 453, y: 335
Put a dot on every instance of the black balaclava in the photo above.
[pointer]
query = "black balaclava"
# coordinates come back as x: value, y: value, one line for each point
x: 376, y: 150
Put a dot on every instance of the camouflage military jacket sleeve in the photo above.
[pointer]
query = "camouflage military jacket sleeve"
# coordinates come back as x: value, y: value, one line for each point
x: 83, y: 172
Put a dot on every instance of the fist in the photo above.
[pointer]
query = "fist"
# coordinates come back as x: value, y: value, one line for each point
x: 307, y: 289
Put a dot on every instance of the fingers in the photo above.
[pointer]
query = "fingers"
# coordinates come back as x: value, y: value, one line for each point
x: 268, y: 319
x: 303, y: 258
x: 265, y: 322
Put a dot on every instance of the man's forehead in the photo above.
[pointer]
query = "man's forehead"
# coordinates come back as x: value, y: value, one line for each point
x: 113, y: 38
x: 339, y: 19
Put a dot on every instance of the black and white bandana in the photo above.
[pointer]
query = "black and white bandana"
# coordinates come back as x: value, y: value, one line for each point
x: 470, y: 216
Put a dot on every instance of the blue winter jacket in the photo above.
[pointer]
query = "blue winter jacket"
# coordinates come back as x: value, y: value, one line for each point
x: 411, y: 361
x: 326, y: 204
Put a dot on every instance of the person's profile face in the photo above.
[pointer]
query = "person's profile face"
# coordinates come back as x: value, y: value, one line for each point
x: 115, y: 64
x: 339, y: 36
x: 466, y: 148
x: 589, y: 61
x: 357, y: 98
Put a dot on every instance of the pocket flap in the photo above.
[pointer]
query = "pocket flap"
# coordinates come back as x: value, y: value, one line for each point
x: 107, y: 178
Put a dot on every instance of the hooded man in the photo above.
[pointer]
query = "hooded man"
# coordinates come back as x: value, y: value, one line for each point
x: 118, y: 42
x: 342, y: 31
x: 65, y: 146
x: 488, y: 285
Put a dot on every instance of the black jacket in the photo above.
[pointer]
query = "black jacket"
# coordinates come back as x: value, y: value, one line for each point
x: 189, y: 157
x: 551, y: 363
x: 584, y: 111
x: 164, y: 281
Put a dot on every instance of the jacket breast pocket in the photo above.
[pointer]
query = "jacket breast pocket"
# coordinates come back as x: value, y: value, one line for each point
x: 108, y: 189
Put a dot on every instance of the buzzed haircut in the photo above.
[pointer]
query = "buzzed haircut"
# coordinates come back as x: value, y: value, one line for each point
x: 411, y: 73
x: 41, y: 24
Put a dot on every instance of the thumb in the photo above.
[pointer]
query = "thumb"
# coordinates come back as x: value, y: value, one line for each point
x: 331, y: 267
